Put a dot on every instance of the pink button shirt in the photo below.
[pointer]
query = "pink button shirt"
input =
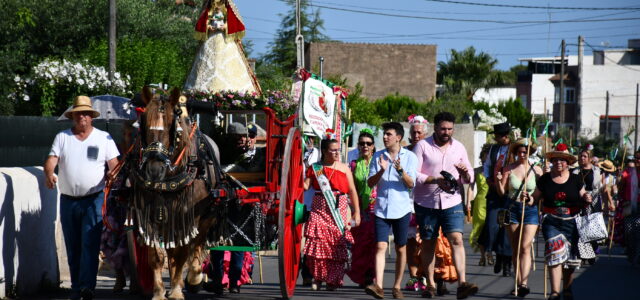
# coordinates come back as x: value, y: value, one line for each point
x: 431, y: 160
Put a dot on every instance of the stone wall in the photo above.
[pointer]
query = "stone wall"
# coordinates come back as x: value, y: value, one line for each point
x: 381, y: 69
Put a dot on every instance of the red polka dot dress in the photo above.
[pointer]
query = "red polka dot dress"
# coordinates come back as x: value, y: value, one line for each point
x: 326, y: 246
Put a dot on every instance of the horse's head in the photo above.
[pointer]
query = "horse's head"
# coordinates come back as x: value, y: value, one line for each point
x: 163, y: 135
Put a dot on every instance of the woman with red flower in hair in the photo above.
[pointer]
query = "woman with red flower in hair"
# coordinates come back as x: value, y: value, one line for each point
x: 562, y: 196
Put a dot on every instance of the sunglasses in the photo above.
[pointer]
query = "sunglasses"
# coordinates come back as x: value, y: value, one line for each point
x: 361, y: 144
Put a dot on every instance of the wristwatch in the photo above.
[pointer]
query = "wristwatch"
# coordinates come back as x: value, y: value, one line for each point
x: 400, y: 171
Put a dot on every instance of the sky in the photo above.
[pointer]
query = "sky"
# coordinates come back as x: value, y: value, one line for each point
x: 507, y: 33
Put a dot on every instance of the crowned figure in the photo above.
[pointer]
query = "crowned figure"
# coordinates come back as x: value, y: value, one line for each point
x: 220, y: 63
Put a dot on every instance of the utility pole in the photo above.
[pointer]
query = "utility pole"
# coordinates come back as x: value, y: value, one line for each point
x: 606, y: 119
x: 299, y: 39
x: 112, y: 38
x: 579, y: 91
x: 561, y: 93
x: 635, y: 133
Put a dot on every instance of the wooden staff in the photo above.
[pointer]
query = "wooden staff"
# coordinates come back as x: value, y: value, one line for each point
x: 524, y: 183
x: 260, y: 266
x: 546, y: 270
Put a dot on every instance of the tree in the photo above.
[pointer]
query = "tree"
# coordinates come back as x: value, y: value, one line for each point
x: 516, y: 113
x: 34, y: 30
x: 466, y: 72
x: 283, y: 48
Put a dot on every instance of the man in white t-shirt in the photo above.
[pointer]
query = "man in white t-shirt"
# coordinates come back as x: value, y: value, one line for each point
x: 81, y: 154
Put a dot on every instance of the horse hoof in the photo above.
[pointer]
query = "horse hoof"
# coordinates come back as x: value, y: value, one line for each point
x: 193, y: 289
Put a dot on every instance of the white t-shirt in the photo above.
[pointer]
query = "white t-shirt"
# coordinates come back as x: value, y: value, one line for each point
x: 81, y: 164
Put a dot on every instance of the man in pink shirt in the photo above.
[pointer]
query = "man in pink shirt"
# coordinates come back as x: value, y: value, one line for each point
x: 438, y: 203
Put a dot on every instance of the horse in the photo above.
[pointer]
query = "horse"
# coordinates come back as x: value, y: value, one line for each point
x: 172, y: 180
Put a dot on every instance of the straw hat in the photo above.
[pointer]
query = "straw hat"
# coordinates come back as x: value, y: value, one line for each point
x: 523, y: 142
x: 562, y: 152
x: 607, y: 166
x: 82, y: 103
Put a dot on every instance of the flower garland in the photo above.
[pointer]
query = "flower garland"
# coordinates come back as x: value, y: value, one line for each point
x: 279, y: 101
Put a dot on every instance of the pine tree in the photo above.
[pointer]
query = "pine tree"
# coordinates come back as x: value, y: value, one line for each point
x: 283, y: 48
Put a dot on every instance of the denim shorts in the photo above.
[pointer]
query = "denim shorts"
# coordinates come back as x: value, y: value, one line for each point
x: 530, y: 214
x: 431, y: 219
x: 400, y: 229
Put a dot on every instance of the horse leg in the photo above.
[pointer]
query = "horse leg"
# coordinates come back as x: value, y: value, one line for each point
x: 156, y: 262
x: 179, y: 257
x: 194, y: 275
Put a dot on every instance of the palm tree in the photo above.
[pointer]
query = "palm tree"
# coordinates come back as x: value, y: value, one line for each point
x: 466, y: 72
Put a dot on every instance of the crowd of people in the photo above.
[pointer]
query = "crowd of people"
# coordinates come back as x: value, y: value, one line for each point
x: 414, y: 193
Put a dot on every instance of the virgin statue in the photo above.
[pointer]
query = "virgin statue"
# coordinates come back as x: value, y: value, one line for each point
x: 220, y: 63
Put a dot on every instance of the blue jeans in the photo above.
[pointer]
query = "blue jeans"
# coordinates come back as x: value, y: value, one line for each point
x: 81, y: 220
x: 530, y: 213
x: 431, y: 219
x: 235, y: 266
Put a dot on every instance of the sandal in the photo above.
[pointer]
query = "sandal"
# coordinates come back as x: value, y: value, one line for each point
x: 554, y: 296
x: 523, y: 290
x: 482, y: 262
x: 490, y: 260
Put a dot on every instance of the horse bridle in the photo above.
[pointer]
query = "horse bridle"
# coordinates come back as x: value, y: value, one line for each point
x: 157, y: 149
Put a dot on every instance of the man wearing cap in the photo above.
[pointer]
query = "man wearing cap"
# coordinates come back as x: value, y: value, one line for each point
x: 81, y: 153
x: 245, y: 157
x: 494, y: 238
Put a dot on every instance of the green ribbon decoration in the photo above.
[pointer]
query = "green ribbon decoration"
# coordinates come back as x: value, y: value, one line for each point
x: 557, y: 142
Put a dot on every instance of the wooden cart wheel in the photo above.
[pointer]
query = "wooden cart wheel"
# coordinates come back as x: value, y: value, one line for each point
x: 290, y: 233
x: 141, y: 273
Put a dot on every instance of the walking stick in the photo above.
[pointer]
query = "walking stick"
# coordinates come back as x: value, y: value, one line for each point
x: 526, y: 177
x: 546, y: 270
x: 260, y: 262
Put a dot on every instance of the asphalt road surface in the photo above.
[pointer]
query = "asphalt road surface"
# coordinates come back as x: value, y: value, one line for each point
x: 611, y: 278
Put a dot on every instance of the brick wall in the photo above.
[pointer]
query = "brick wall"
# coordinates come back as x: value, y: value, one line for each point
x: 381, y: 69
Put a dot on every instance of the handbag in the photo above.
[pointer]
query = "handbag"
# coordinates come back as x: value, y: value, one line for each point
x: 504, y: 217
x: 591, y: 227
x: 585, y: 251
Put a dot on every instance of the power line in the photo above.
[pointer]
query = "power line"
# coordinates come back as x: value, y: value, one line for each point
x: 471, y: 20
x: 534, y: 7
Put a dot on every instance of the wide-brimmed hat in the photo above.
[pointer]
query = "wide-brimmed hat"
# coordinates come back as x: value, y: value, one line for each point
x: 524, y: 142
x: 82, y: 103
x: 562, y: 152
x: 502, y: 128
x: 607, y: 166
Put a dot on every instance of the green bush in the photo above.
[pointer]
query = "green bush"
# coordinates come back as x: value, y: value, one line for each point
x: 146, y: 61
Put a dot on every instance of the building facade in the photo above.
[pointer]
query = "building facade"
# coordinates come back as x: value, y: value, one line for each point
x: 616, y: 71
x: 381, y: 69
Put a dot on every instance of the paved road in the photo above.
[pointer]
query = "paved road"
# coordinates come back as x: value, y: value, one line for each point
x: 610, y: 278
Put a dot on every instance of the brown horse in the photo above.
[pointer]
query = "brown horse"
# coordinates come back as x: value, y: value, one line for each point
x: 171, y: 203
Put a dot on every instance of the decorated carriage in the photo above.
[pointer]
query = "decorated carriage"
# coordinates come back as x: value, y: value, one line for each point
x: 181, y: 201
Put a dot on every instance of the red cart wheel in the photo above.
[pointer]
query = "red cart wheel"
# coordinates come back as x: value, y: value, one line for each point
x: 290, y: 232
x: 141, y: 273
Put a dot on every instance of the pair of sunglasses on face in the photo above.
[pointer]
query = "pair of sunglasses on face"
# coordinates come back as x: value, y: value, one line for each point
x: 361, y: 144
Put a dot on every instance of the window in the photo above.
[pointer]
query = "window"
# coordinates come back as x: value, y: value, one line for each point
x: 569, y: 95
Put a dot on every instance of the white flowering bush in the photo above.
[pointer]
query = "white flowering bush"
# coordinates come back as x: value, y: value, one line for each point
x: 487, y: 120
x: 54, y: 83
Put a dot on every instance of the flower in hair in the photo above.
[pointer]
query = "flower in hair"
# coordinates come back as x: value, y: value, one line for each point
x: 366, y: 130
x: 415, y: 119
x: 561, y: 147
x: 330, y: 134
x: 589, y: 147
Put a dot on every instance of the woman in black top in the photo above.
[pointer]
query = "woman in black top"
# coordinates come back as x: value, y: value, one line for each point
x: 562, y: 195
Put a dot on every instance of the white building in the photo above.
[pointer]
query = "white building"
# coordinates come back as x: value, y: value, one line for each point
x: 614, y: 70
x: 495, y: 95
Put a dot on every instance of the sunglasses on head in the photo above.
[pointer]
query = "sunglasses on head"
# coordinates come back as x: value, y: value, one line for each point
x: 365, y: 143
